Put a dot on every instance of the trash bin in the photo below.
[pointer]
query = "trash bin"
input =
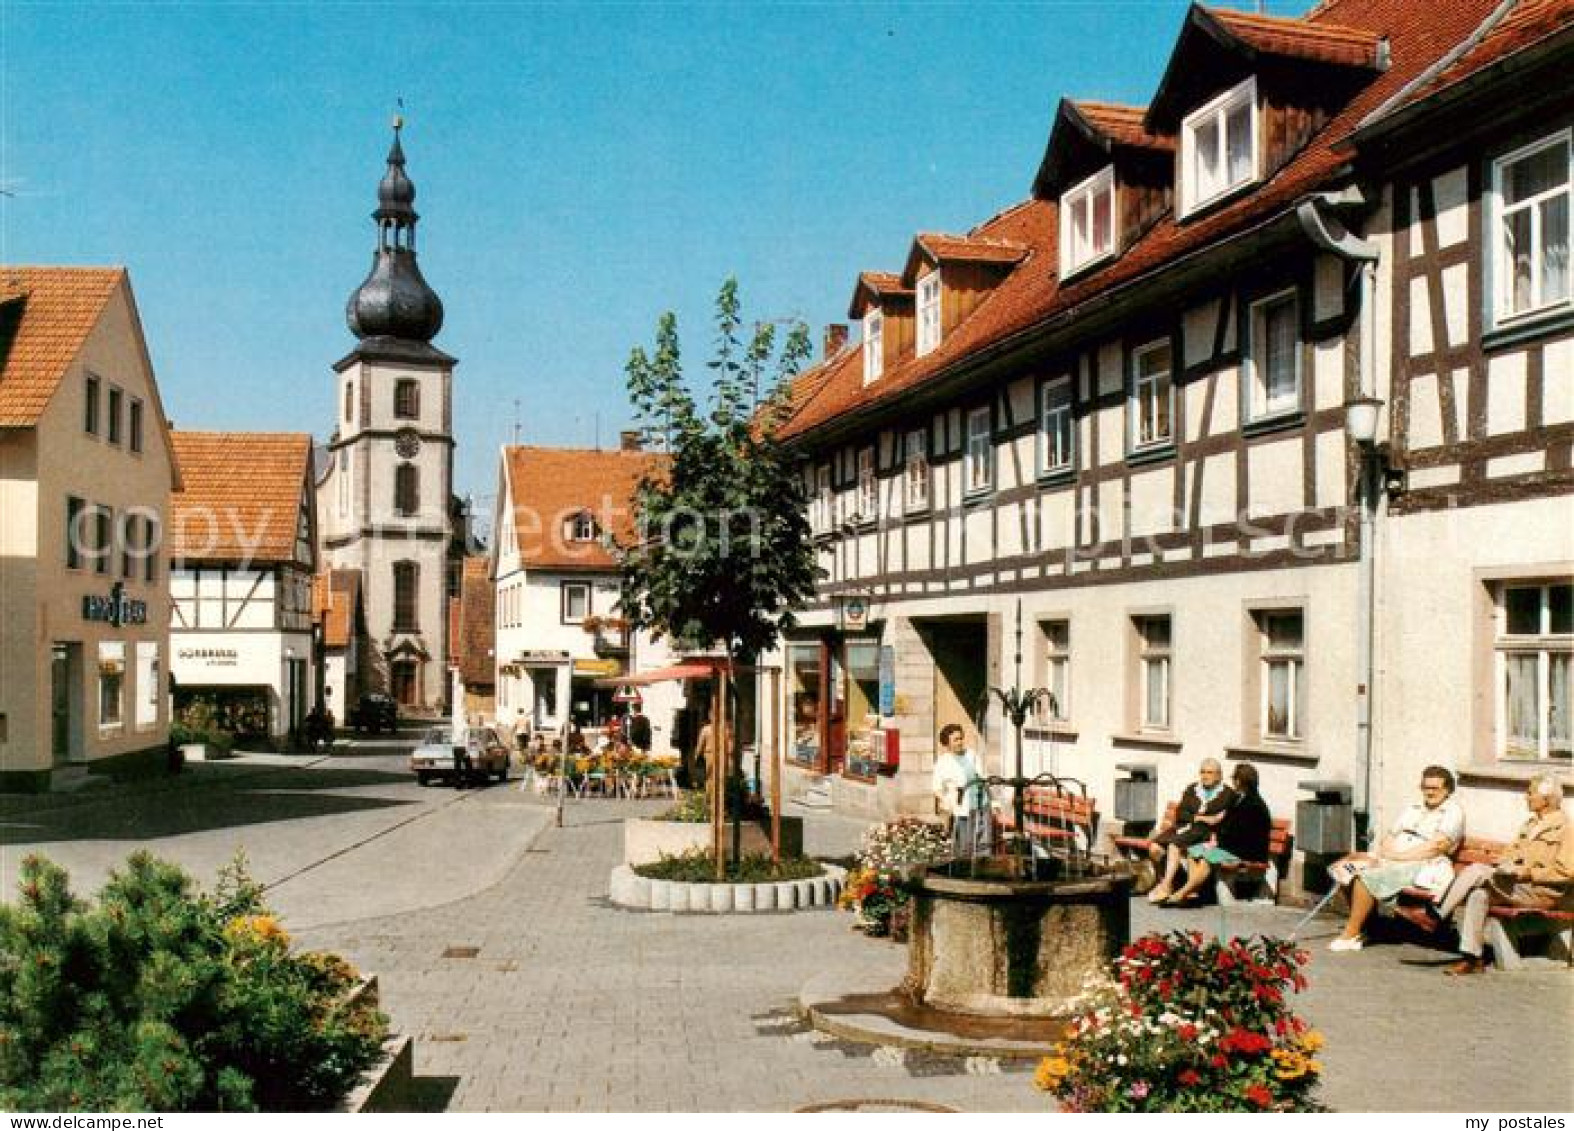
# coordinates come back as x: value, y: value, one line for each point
x: 1137, y: 794
x: 1324, y: 825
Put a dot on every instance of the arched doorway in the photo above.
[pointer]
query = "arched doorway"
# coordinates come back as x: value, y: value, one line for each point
x: 406, y: 679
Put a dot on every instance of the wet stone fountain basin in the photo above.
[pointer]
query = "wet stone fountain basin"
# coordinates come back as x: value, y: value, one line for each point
x: 999, y: 946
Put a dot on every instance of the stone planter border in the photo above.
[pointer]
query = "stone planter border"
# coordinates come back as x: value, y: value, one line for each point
x: 631, y: 890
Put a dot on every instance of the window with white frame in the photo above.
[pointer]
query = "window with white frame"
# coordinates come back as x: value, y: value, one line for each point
x: 1283, y: 674
x: 576, y: 601
x: 580, y: 527
x: 1056, y: 438
x: 868, y: 498
x: 979, y: 457
x: 1274, y: 358
x: 874, y: 345
x: 1152, y: 396
x: 1532, y: 195
x: 1057, y: 671
x: 147, y: 684
x: 111, y: 683
x: 1087, y: 228
x: 1154, y: 685
x: 1535, y: 651
x: 824, y: 498
x: 916, y: 479
x: 928, y: 312
x: 1219, y: 147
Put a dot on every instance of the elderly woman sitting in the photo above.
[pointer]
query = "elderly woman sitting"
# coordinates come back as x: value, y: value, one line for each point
x: 1537, y: 871
x: 1241, y: 832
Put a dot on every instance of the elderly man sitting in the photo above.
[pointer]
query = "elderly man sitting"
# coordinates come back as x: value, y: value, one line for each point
x: 1537, y: 871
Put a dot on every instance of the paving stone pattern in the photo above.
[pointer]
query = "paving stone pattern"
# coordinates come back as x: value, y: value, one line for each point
x: 570, y: 1004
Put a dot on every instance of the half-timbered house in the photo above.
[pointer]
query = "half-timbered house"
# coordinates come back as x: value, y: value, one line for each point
x: 242, y: 558
x: 1101, y: 443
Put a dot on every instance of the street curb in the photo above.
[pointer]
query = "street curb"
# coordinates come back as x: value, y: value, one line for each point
x: 630, y: 890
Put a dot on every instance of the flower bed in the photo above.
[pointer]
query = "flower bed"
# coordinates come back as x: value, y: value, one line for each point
x: 1192, y: 1025
x: 629, y: 889
x: 700, y: 868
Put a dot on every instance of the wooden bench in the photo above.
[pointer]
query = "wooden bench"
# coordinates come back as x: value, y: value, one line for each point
x: 1506, y: 926
x: 1057, y: 817
x: 1267, y: 874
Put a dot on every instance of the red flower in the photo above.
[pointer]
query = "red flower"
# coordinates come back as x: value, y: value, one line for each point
x: 1260, y: 1096
x: 1219, y: 1061
x: 1189, y: 1078
x: 1245, y: 1042
x: 1187, y: 1032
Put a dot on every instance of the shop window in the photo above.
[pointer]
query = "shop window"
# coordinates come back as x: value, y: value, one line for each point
x: 111, y: 684
x: 805, y: 687
x: 147, y: 688
x: 862, y: 705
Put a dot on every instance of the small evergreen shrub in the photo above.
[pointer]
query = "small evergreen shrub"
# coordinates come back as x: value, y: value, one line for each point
x: 159, y: 997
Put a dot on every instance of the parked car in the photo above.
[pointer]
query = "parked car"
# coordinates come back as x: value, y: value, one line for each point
x: 374, y: 713
x: 462, y: 756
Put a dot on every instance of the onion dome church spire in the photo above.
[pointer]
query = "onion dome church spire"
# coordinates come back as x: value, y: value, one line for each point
x: 394, y: 302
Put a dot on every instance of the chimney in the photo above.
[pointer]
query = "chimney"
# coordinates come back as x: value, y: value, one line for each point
x: 835, y: 338
x: 629, y: 441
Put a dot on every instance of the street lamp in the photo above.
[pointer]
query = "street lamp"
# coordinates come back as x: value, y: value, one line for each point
x: 1360, y: 422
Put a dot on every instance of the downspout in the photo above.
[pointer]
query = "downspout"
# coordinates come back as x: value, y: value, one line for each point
x: 1329, y: 233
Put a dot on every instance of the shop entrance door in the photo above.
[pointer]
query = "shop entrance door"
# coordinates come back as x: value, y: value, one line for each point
x: 960, y: 650
x: 65, y: 700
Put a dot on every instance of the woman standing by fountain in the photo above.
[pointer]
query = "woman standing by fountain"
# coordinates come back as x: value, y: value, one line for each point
x: 960, y: 794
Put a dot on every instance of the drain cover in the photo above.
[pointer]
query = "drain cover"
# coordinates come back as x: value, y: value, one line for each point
x: 461, y: 952
x: 875, y: 1105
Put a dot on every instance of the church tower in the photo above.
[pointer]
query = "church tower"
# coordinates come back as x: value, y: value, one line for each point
x: 385, y: 500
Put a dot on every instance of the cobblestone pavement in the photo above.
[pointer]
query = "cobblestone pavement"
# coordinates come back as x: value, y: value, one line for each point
x: 536, y: 994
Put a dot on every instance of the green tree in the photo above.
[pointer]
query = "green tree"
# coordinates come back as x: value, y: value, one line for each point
x: 724, y: 555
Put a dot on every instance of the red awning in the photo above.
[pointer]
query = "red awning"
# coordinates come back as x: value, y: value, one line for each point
x: 689, y: 669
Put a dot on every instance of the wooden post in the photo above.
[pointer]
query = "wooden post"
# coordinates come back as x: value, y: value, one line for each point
x: 776, y: 766
x: 716, y: 770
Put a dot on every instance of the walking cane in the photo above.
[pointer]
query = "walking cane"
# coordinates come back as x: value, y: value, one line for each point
x: 1307, y: 918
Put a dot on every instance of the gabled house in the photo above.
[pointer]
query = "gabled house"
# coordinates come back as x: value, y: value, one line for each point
x: 562, y: 647
x: 473, y: 637
x: 339, y: 612
x: 242, y: 558
x: 86, y: 471
x: 1129, y: 462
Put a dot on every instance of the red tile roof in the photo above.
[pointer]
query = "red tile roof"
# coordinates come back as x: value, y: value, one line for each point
x: 1419, y: 35
x: 876, y: 286
x: 1524, y: 25
x: 550, y: 486
x: 48, y: 313
x: 1123, y: 125
x: 1299, y: 38
x: 940, y: 248
x: 241, y: 497
x: 336, y: 594
x: 472, y: 635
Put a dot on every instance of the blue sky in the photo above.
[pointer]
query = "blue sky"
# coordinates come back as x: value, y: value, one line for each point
x: 581, y: 168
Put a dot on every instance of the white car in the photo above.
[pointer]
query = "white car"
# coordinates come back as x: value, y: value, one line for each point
x: 462, y: 756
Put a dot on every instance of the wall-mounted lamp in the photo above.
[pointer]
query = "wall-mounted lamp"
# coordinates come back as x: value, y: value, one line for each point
x: 1360, y: 420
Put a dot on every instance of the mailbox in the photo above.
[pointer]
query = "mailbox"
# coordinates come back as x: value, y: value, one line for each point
x: 1324, y: 825
x: 1137, y: 794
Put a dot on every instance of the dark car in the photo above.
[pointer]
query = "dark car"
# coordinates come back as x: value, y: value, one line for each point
x: 374, y: 713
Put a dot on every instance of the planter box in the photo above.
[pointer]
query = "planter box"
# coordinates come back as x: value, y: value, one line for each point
x: 628, y: 890
x: 646, y: 841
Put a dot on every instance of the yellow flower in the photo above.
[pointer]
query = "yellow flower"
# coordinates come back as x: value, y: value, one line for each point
x: 1051, y: 1071
x: 1312, y: 1040
x: 260, y: 928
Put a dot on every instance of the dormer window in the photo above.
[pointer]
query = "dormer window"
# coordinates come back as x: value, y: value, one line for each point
x: 1087, y: 222
x: 874, y: 345
x: 928, y: 312
x: 1219, y: 147
x: 580, y: 527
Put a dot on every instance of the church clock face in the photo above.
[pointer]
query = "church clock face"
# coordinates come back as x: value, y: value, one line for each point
x: 407, y: 444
